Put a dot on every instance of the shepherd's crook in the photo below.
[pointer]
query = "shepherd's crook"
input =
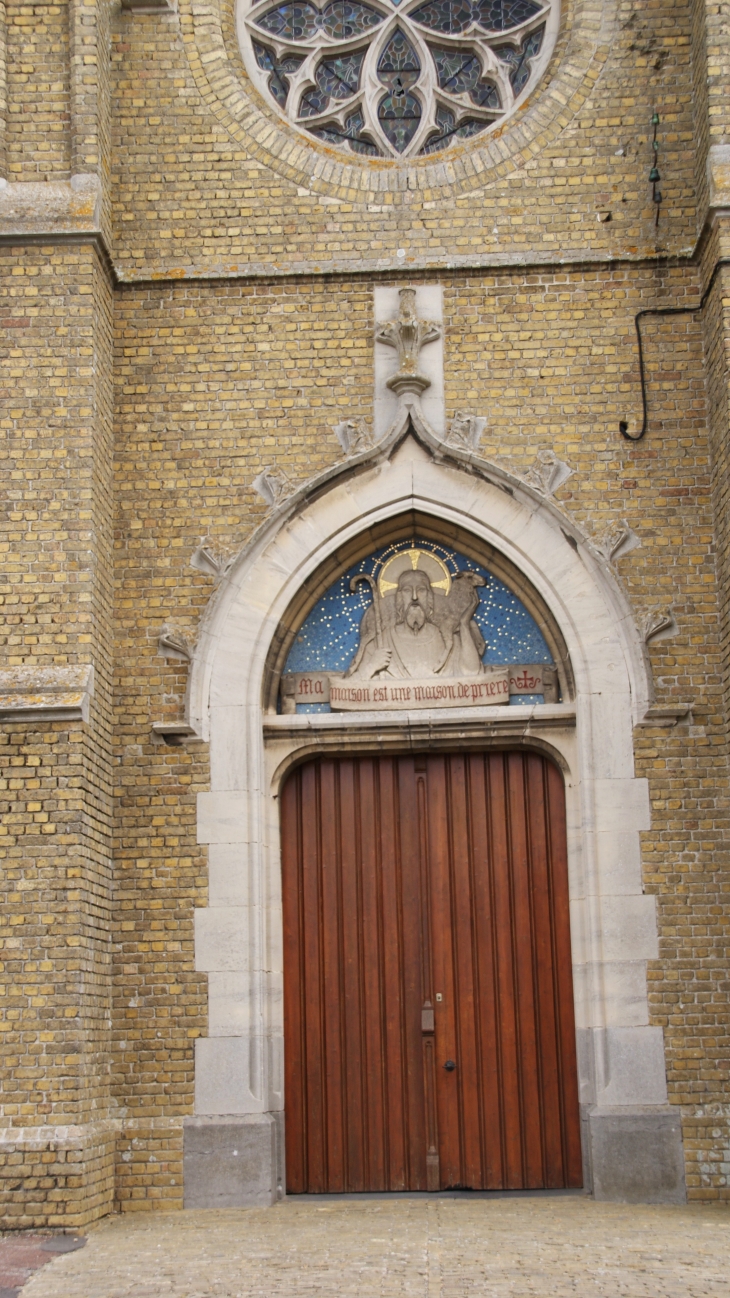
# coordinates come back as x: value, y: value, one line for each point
x: 355, y: 581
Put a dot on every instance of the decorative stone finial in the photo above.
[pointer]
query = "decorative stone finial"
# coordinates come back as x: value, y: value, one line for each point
x: 354, y: 436
x: 658, y: 624
x: 547, y: 473
x: 465, y: 431
x: 618, y: 541
x: 407, y: 335
x: 272, y: 485
x: 173, y: 643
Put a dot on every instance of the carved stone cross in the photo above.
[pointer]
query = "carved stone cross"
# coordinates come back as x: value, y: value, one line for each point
x: 408, y: 334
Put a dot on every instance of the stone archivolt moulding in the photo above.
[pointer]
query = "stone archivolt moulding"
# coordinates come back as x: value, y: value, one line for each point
x: 534, y: 489
x: 209, y: 32
x: 46, y: 693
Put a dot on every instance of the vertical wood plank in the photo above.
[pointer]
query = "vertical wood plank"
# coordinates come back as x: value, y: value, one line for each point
x: 544, y: 958
x: 523, y: 940
x: 427, y: 992
x: 508, y: 1039
x: 487, y: 1018
x: 352, y: 955
x: 374, y: 1081
x: 397, y: 1114
x: 467, y: 1075
x: 331, y: 987
x: 447, y: 1092
x: 407, y: 864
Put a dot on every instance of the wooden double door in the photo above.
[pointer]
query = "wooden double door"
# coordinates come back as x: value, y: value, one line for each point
x: 428, y: 1002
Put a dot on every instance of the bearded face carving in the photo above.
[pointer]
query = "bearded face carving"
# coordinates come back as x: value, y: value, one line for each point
x: 421, y: 624
x: 414, y: 600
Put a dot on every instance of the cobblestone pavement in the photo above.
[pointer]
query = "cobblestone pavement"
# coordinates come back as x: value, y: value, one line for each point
x: 21, y: 1254
x: 402, y: 1248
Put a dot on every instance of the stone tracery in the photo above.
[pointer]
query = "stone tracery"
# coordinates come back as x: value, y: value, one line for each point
x: 397, y: 78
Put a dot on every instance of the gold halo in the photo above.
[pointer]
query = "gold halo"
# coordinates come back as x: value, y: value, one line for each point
x: 408, y: 560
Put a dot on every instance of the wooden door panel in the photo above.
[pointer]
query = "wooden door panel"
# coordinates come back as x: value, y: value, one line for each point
x: 543, y: 957
x: 445, y: 1041
x: 399, y: 977
x: 426, y: 919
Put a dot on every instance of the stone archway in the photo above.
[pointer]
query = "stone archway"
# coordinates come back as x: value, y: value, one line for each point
x: 233, y: 1145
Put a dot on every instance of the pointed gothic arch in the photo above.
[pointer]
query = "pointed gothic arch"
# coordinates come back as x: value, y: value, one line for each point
x: 632, y: 1145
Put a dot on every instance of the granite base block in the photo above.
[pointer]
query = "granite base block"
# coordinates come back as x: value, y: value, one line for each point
x: 634, y: 1155
x: 232, y: 1162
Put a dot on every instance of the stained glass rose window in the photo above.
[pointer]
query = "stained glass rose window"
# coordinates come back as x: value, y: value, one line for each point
x: 397, y: 78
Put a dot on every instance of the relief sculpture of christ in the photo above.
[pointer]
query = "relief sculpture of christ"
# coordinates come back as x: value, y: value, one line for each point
x: 420, y: 623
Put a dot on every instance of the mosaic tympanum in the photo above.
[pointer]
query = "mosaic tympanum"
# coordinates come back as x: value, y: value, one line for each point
x: 417, y: 612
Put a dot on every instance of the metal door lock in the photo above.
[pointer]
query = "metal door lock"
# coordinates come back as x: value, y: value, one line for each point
x: 449, y: 1065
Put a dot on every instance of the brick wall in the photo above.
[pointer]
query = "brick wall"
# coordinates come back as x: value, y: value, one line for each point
x: 235, y: 350
x: 56, y: 778
x: 218, y: 381
x: 195, y: 191
x: 37, y: 140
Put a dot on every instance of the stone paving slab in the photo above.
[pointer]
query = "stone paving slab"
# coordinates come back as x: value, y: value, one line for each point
x: 403, y: 1248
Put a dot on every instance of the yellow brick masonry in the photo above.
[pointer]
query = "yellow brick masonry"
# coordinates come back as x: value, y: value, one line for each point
x: 55, y: 844
x: 215, y: 382
x: 240, y: 293
x: 38, y: 139
x: 202, y: 186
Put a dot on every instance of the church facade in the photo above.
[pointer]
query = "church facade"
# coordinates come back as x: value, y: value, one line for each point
x: 364, y: 683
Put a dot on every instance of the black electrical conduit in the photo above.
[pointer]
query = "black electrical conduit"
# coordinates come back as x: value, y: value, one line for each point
x: 665, y: 310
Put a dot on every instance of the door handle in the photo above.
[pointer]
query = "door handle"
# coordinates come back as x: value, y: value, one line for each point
x: 449, y: 1065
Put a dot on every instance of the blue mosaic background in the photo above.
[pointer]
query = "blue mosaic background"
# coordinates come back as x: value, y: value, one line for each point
x: 329, y: 637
